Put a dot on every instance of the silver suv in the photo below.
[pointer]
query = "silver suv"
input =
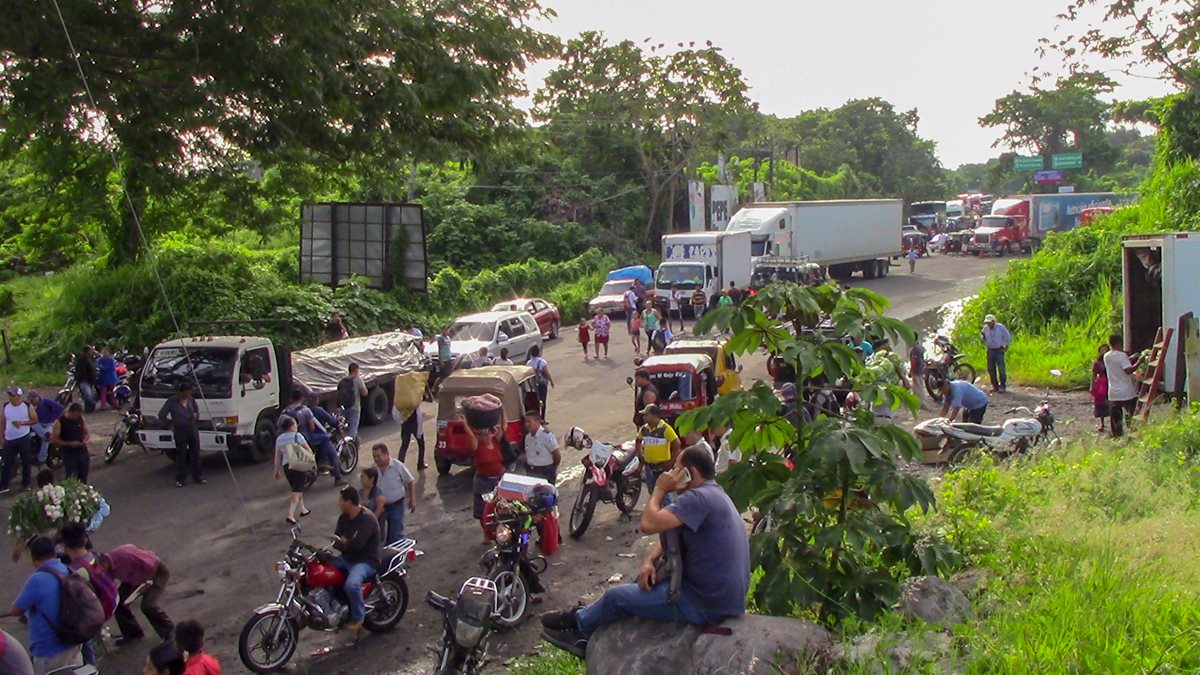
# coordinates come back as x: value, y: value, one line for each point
x: 516, y: 331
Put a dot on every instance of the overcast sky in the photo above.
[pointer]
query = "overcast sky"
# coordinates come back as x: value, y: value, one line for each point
x: 950, y: 59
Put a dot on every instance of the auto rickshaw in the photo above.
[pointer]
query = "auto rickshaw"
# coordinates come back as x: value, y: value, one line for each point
x: 684, y: 382
x: 515, y: 386
x: 915, y: 240
x: 726, y: 367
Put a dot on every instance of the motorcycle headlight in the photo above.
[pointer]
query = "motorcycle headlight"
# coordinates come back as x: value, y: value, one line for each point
x: 503, y: 535
x: 467, y: 635
x: 282, y: 568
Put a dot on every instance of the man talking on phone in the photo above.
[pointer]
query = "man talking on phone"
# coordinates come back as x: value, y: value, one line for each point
x: 715, y: 553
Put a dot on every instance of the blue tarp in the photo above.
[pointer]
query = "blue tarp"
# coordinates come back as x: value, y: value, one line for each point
x: 639, y: 272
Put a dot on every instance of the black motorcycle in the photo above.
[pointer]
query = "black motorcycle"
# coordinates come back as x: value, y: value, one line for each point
x: 466, y: 624
x: 508, y: 563
x: 949, y: 365
x: 125, y: 433
x: 345, y: 448
x: 67, y: 393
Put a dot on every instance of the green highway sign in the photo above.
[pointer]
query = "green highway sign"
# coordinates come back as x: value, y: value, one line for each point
x: 1067, y: 160
x: 1029, y: 163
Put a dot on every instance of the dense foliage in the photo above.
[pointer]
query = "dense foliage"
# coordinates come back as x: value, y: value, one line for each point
x: 839, y: 540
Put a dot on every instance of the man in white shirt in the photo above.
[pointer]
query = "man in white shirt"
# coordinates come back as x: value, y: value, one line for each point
x: 695, y: 439
x: 1122, y: 390
x: 542, y: 455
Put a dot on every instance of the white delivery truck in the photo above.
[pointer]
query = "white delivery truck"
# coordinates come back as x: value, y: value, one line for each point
x: 707, y: 260
x: 1160, y: 275
x: 245, y: 382
x: 844, y: 236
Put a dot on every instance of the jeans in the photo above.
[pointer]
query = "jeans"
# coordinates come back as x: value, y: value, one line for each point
x: 975, y: 416
x: 543, y: 391
x: 42, y: 431
x: 128, y: 623
x: 64, y: 659
x: 88, y: 391
x: 1118, y: 413
x: 356, y: 574
x: 187, y: 454
x: 353, y: 418
x: 77, y: 462
x: 14, y: 450
x: 408, y: 430
x: 650, y: 474
x: 996, y: 369
x: 626, y: 600
x: 394, y: 513
x: 327, y: 455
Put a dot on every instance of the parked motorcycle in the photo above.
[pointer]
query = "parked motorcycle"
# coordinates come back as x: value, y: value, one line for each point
x: 609, y: 476
x: 949, y: 364
x: 128, y: 366
x: 345, y: 448
x: 54, y: 456
x: 954, y: 441
x: 67, y: 393
x: 125, y: 433
x: 508, y: 563
x: 466, y: 623
x: 311, y: 596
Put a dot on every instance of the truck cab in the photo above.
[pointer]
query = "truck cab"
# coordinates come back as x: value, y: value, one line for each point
x: 239, y: 383
x: 1004, y: 231
x: 927, y: 215
x: 770, y: 229
x: 704, y: 260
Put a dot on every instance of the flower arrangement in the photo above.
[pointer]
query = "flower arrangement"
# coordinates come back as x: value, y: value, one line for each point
x: 46, y: 510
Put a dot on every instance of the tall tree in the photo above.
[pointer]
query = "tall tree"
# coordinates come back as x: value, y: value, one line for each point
x: 1048, y: 121
x: 671, y: 104
x: 181, y: 86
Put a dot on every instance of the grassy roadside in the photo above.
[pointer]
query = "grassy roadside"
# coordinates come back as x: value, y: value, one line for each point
x: 1091, y: 553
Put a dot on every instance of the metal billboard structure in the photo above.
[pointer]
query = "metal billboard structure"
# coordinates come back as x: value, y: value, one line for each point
x: 381, y: 242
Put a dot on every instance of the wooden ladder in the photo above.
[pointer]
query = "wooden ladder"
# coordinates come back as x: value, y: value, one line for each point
x: 1151, y: 382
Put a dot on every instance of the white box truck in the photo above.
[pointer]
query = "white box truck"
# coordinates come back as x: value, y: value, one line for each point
x: 1160, y: 278
x: 708, y: 260
x: 844, y: 236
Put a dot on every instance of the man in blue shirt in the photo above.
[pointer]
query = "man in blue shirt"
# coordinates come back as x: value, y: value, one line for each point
x: 962, y: 395
x: 715, y: 554
x: 47, y: 410
x: 39, y: 601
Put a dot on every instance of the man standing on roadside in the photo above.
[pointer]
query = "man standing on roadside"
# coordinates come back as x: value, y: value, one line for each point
x: 1122, y: 390
x: 542, y: 455
x: 699, y: 301
x: 399, y: 489
x: 997, y: 339
x: 86, y: 376
x: 657, y: 445
x: 735, y: 293
x: 647, y: 394
x: 184, y: 414
x: 17, y: 420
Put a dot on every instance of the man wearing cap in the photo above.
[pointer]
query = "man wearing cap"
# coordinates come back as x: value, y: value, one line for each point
x: 657, y: 444
x: 997, y: 339
x: 47, y: 411
x: 18, y: 419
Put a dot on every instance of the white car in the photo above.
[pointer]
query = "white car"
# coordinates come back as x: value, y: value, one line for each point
x: 517, y: 331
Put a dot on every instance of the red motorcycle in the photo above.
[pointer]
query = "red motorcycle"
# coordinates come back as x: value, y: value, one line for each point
x: 311, y: 596
x: 609, y: 475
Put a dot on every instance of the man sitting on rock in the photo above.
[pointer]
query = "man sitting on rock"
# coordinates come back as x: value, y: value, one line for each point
x: 715, y: 553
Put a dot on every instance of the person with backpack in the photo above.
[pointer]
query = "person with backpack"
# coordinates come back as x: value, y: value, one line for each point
x: 316, y: 435
x: 350, y: 393
x: 293, y: 459
x: 137, y: 571
x: 82, y: 561
x: 544, y: 379
x: 41, y: 602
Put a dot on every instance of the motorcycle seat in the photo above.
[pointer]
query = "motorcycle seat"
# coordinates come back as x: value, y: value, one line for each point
x: 624, y: 458
x: 978, y: 429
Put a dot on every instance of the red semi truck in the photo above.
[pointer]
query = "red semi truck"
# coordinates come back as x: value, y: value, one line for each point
x: 1005, y: 230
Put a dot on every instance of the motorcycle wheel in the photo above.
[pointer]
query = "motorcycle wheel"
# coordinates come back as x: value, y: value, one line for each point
x: 512, y: 597
x: 347, y: 454
x: 581, y: 513
x: 965, y: 371
x: 931, y: 379
x: 960, y: 455
x: 114, y: 447
x: 54, y: 458
x: 629, y: 491
x: 395, y: 591
x: 256, y: 639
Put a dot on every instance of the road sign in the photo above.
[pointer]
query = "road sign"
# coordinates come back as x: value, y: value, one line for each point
x: 1067, y: 160
x: 1065, y: 189
x: 1029, y: 163
x: 1051, y: 177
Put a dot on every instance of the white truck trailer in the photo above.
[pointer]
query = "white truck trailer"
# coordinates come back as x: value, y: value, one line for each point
x: 844, y: 236
x: 1160, y: 275
x: 708, y: 260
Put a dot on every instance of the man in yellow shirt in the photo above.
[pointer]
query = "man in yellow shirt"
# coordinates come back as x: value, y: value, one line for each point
x: 657, y: 445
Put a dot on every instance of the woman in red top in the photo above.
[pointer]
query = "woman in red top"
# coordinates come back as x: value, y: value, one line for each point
x: 489, y: 466
x: 1100, y: 389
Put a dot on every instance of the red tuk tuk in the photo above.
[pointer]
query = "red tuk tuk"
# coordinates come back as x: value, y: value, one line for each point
x: 515, y: 386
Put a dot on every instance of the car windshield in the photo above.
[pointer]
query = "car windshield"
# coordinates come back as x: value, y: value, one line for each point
x: 684, y: 276
x: 924, y: 209
x: 464, y: 331
x: 169, y: 367
x: 673, y: 385
x: 616, y: 287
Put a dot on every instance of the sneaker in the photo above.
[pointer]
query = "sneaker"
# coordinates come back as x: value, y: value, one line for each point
x: 5, y: 490
x: 202, y: 481
x: 560, y: 620
x: 569, y: 640
x: 178, y: 483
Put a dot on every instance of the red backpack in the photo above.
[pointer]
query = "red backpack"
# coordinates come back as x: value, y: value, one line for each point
x: 102, y: 584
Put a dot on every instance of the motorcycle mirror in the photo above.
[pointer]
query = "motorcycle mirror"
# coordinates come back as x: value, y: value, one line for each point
x: 629, y: 381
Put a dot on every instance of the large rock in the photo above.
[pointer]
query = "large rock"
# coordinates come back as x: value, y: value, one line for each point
x: 756, y: 644
x: 897, y: 652
x: 934, y: 600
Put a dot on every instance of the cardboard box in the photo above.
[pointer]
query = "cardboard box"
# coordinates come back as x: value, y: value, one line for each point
x: 517, y: 487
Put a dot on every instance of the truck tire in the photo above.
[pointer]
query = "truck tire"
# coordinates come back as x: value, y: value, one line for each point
x: 261, y: 446
x: 885, y: 268
x: 377, y: 406
x: 870, y: 269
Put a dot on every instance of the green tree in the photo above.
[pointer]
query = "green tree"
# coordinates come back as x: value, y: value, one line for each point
x: 671, y: 106
x: 182, y: 87
x: 1048, y: 121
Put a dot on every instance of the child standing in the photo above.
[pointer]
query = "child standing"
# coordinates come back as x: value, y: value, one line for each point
x: 1100, y: 389
x: 585, y: 336
x: 107, y: 380
x: 635, y: 331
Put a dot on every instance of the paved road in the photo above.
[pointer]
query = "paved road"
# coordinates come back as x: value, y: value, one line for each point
x: 221, y: 539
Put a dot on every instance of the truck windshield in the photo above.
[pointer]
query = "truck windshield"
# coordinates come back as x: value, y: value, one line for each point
x: 925, y: 209
x: 616, y: 287
x: 760, y: 246
x: 169, y: 367
x: 995, y: 221
x: 684, y: 276
x: 773, y: 275
x: 473, y: 330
